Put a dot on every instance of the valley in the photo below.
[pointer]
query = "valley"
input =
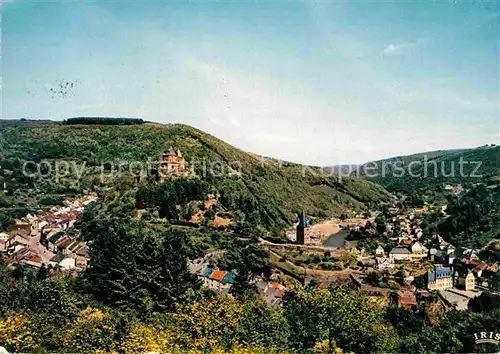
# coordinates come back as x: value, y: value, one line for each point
x: 273, y: 229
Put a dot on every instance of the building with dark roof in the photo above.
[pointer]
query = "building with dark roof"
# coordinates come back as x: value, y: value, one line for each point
x: 400, y: 254
x: 440, y: 278
x: 466, y: 280
x: 217, y: 280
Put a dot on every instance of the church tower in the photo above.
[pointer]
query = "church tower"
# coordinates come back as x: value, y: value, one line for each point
x: 301, y: 229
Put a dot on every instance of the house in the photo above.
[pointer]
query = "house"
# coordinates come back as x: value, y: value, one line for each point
x: 21, y: 232
x: 63, y: 243
x: 217, y: 280
x: 22, y: 225
x: 466, y: 280
x: 56, y: 259
x: 450, y: 258
x: 406, y: 299
x: 69, y: 250
x: 15, y: 239
x: 425, y: 294
x: 384, y: 263
x: 272, y: 292
x: 63, y: 261
x: 434, y: 254
x: 418, y: 251
x: 34, y: 261
x: 26, y: 255
x: 440, y: 279
x: 51, y: 239
x: 67, y: 263
x: 454, y: 189
x: 405, y: 242
x: 22, y: 253
x: 478, y: 270
x: 470, y: 254
x: 450, y: 249
x: 82, y: 256
x: 400, y: 254
x: 443, y: 245
x: 205, y: 274
x: 3, y: 240
x: 437, y: 238
x: 493, y: 268
x: 221, y: 281
x: 379, y: 252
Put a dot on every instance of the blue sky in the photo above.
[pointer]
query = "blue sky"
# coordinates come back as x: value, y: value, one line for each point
x: 312, y: 82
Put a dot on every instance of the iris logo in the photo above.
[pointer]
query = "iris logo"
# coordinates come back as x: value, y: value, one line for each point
x: 487, y: 337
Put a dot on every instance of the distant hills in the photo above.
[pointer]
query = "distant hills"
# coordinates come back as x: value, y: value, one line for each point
x: 275, y: 190
x: 434, y: 168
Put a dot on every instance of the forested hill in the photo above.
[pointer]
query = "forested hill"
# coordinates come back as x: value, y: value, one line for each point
x: 409, y: 173
x: 271, y: 190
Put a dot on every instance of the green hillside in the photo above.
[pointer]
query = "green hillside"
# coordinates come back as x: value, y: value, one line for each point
x: 434, y: 169
x: 270, y: 190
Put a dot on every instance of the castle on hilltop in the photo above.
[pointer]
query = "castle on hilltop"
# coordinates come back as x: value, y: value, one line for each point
x: 170, y: 164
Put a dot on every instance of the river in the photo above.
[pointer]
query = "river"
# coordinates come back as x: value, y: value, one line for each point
x: 336, y: 240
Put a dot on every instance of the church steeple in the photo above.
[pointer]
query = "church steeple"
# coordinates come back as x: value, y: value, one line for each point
x: 302, y: 219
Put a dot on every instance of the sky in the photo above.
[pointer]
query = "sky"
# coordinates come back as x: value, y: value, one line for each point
x: 321, y: 83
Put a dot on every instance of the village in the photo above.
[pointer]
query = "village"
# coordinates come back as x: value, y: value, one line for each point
x: 417, y: 269
x: 41, y: 239
x: 405, y: 269
x: 409, y: 268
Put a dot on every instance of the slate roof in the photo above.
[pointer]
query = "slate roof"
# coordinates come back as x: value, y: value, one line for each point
x: 228, y: 278
x: 441, y: 272
x: 57, y: 258
x: 383, y: 260
x: 55, y: 237
x: 303, y: 220
x: 399, y: 250
x: 206, y: 273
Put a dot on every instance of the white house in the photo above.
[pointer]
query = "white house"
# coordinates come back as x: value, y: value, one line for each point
x: 384, y: 263
x: 67, y: 263
x: 400, y: 254
x: 418, y: 250
x: 379, y: 252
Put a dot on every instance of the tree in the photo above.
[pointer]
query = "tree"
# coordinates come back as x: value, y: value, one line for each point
x: 347, y: 259
x: 210, y: 322
x: 6, y: 222
x: 139, y: 266
x: 339, y: 315
x: 52, y: 297
x: 15, y: 333
x: 92, y: 330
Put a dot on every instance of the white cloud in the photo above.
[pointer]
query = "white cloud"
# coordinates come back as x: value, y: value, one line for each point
x: 404, y: 47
